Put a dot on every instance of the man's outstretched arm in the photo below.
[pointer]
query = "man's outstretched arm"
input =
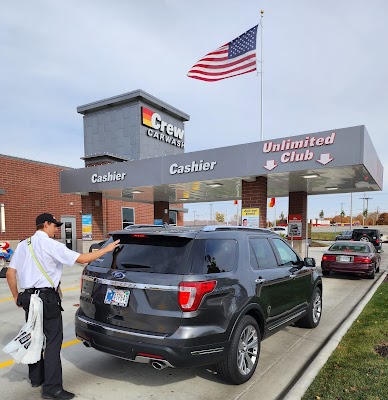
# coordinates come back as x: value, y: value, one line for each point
x: 89, y: 257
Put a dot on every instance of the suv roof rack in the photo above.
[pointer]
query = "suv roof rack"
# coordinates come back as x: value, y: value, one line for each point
x: 209, y: 228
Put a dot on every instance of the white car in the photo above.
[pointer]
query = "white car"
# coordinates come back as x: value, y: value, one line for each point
x: 384, y: 238
x: 280, y: 230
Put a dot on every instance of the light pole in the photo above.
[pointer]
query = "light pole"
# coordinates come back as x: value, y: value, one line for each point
x: 194, y: 212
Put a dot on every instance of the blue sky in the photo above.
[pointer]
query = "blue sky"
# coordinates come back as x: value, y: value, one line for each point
x: 324, y: 68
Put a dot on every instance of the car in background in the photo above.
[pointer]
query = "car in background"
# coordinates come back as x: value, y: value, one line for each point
x: 370, y: 235
x: 189, y: 297
x: 280, y: 230
x: 359, y: 258
x: 384, y: 238
x: 345, y: 235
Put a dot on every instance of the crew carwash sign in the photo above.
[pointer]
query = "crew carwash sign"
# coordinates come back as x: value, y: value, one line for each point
x: 162, y: 130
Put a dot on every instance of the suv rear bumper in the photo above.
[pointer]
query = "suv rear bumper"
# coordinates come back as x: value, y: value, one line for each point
x: 175, y: 353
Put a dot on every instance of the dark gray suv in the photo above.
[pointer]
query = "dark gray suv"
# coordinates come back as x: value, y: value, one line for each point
x: 184, y: 297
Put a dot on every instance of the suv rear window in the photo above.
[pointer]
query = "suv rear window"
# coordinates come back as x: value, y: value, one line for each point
x: 372, y: 233
x: 213, y: 256
x: 148, y: 253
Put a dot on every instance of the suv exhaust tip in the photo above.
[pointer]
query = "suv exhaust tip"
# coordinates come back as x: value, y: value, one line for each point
x: 159, y: 365
x: 86, y: 343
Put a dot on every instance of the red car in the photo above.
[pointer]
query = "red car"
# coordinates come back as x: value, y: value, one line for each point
x: 359, y: 258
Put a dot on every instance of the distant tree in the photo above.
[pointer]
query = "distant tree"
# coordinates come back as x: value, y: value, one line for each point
x: 281, y: 215
x: 220, y: 217
x: 321, y: 214
x: 342, y: 214
x: 383, y: 219
x: 234, y: 220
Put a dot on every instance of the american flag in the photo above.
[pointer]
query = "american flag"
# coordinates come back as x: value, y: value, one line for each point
x: 234, y: 58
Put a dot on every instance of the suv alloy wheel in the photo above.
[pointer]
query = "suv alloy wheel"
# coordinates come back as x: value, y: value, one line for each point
x: 241, y: 361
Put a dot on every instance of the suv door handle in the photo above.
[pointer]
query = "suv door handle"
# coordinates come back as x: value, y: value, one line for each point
x: 292, y: 276
x: 260, y: 280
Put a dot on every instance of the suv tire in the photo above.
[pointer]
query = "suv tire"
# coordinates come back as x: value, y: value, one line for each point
x: 314, y: 312
x: 365, y: 239
x: 243, y: 354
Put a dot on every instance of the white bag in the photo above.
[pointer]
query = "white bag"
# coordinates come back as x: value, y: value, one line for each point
x: 26, y: 347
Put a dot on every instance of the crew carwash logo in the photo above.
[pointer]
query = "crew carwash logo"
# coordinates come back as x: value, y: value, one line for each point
x: 162, y: 130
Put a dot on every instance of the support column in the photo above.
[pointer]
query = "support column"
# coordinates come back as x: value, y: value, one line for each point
x: 297, y: 204
x: 92, y: 204
x: 254, y: 195
x: 161, y: 211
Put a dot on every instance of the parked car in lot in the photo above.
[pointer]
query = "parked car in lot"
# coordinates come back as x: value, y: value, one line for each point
x: 384, y: 238
x: 366, y: 234
x: 359, y: 258
x: 280, y: 230
x: 186, y: 297
x: 345, y: 235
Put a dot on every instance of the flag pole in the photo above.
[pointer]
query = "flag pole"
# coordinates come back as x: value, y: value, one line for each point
x: 261, y: 74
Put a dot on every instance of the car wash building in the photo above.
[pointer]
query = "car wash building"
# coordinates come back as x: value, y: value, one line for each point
x: 135, y: 154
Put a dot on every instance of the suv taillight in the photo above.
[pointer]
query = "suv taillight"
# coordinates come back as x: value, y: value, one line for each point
x: 191, y: 294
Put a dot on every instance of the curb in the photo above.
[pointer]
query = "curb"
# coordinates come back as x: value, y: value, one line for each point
x: 311, y: 371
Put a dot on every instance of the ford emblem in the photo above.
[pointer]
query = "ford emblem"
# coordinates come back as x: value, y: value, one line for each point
x: 118, y: 275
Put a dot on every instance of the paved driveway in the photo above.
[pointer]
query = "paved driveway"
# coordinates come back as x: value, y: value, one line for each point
x: 93, y: 375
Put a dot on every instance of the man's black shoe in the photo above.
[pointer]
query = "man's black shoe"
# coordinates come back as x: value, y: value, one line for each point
x: 60, y: 394
x: 36, y: 384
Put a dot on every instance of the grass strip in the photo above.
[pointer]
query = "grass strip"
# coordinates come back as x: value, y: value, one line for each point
x: 358, y: 368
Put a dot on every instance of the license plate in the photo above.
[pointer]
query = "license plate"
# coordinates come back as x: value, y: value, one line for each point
x: 344, y: 258
x: 117, y: 297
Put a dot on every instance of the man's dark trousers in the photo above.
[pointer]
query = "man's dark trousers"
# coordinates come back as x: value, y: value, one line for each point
x: 49, y: 369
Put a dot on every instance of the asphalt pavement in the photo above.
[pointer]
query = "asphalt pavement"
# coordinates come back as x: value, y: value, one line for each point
x: 284, y: 360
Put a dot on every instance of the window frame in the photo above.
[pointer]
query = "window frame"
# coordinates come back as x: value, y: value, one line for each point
x: 176, y: 217
x: 250, y: 249
x: 122, y: 217
x: 280, y: 260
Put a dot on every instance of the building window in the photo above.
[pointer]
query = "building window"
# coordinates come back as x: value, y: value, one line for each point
x: 127, y: 216
x: 2, y: 218
x: 172, y: 218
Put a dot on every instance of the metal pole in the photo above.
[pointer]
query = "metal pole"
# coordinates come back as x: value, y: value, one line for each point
x: 363, y: 209
x: 351, y: 211
x: 261, y: 75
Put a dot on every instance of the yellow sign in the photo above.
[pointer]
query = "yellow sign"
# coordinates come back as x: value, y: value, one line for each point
x: 250, y: 217
x: 251, y: 212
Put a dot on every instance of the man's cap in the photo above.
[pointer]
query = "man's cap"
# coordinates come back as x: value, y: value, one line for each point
x: 42, y: 218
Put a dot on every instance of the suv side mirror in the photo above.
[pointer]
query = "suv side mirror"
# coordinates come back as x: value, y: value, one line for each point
x: 309, y: 262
